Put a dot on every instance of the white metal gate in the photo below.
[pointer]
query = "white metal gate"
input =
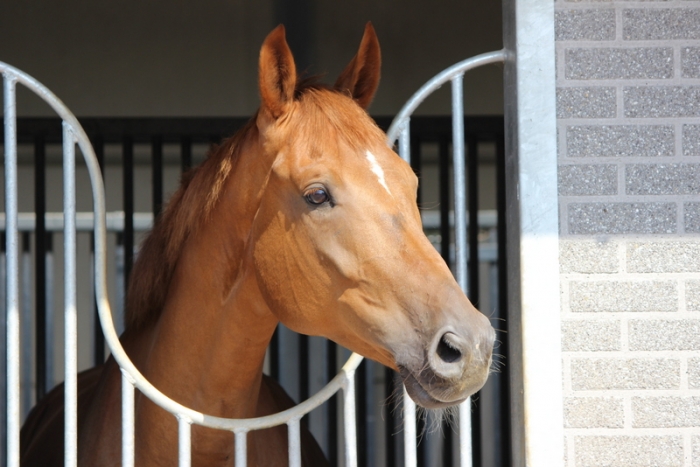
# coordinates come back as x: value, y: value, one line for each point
x: 74, y: 135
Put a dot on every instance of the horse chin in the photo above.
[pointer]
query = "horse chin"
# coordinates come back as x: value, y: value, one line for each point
x: 424, y: 397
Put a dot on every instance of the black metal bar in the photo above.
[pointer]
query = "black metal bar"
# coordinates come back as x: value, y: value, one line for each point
x: 502, y: 313
x: 444, y: 183
x: 361, y: 413
x: 128, y: 197
x: 390, y: 417
x: 445, y: 233
x: 331, y: 370
x: 157, y: 174
x: 185, y: 153
x: 275, y: 354
x: 303, y: 363
x: 40, y: 265
x: 472, y: 164
x: 416, y: 164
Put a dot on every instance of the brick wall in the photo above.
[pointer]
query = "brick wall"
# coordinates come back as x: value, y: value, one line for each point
x: 628, y: 109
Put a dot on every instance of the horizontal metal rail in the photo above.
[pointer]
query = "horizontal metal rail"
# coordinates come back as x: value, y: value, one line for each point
x: 143, y: 221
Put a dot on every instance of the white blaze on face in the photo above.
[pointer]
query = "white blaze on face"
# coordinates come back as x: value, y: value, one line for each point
x: 377, y: 170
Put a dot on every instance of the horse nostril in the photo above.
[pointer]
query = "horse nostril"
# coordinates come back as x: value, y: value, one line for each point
x: 447, y: 349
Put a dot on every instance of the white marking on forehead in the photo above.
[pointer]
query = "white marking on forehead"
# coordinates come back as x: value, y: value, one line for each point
x: 377, y: 170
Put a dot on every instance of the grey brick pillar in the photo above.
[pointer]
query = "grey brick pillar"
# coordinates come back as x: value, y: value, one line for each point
x: 628, y: 109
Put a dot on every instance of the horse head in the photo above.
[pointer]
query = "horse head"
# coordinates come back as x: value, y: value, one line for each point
x: 337, y: 243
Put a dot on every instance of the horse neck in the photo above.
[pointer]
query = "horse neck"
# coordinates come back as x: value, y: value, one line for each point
x: 208, y: 346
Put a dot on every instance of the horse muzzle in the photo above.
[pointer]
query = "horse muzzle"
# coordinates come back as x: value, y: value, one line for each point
x: 455, y: 366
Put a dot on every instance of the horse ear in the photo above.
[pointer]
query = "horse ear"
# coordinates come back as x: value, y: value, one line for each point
x: 277, y: 74
x: 361, y: 76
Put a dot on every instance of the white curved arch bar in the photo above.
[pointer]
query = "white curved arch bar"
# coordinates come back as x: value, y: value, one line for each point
x: 400, y: 129
x: 436, y: 82
x: 130, y: 374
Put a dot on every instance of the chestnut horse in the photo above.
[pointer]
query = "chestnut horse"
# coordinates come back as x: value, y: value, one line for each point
x: 304, y: 217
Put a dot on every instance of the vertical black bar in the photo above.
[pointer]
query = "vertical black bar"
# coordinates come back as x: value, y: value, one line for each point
x: 275, y: 355
x: 447, y: 445
x: 416, y: 163
x: 40, y: 265
x: 361, y: 413
x: 185, y: 153
x: 304, y: 372
x: 504, y: 377
x: 332, y: 369
x: 128, y: 196
x: 472, y: 164
x: 3, y: 352
x: 99, y: 339
x: 444, y: 171
x: 389, y: 411
x: 157, y: 174
x: 473, y: 207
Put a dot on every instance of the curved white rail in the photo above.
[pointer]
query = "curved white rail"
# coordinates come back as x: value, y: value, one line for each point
x: 131, y: 377
x: 456, y: 70
x: 400, y: 129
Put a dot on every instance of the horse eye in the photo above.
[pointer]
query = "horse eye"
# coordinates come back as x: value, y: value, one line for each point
x: 317, y: 196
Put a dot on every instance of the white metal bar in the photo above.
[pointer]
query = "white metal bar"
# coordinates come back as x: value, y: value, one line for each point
x: 461, y: 249
x: 12, y: 290
x: 70, y: 301
x: 85, y: 221
x: 409, y: 431
x: 460, y: 187
x: 405, y: 141
x: 465, y: 433
x: 294, y: 440
x: 435, y: 82
x: 26, y: 366
x: 184, y: 442
x: 241, y: 448
x: 349, y: 428
x: 127, y: 420
x: 50, y: 319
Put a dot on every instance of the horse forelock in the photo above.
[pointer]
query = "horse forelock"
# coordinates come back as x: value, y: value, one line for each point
x: 325, y: 115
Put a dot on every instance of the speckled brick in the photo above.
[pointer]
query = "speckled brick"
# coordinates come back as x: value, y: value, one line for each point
x: 692, y: 295
x: 590, y: 336
x: 662, y: 179
x: 623, y: 296
x: 664, y: 256
x: 584, y: 25
x: 665, y: 412
x: 690, y: 62
x: 619, y: 63
x: 586, y: 256
x: 691, y: 140
x: 658, y: 334
x: 586, y: 102
x: 593, y: 412
x: 660, y: 23
x: 696, y: 451
x: 629, y: 451
x: 691, y: 217
x: 621, y: 218
x: 694, y: 373
x: 584, y: 179
x: 620, y: 140
x: 635, y: 373
x: 661, y: 101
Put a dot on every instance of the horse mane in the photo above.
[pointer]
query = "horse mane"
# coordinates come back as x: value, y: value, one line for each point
x: 189, y: 207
